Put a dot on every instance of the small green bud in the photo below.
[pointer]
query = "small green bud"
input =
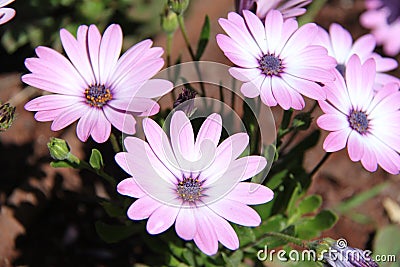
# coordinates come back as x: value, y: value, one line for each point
x: 169, y: 21
x: 178, y: 6
x: 302, y: 121
x: 7, y: 116
x: 59, y: 149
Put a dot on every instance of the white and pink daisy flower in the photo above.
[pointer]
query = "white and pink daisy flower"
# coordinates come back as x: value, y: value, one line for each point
x: 367, y: 123
x: 289, y: 8
x: 277, y: 61
x: 6, y: 13
x: 194, y: 183
x: 96, y: 86
x: 339, y: 44
x: 383, y: 19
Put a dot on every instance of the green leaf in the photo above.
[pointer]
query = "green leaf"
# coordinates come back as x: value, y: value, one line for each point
x: 387, y: 245
x: 204, y: 37
x: 112, y: 209
x: 245, y: 234
x: 311, y: 227
x: 62, y: 164
x: 234, y: 260
x: 96, y: 160
x: 189, y: 257
x: 114, y: 233
x: 309, y: 204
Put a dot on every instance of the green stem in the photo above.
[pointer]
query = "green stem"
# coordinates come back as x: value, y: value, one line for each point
x: 114, y: 143
x: 312, y: 12
x: 283, y: 237
x: 168, y: 54
x: 84, y: 165
x: 320, y: 163
x: 192, y: 55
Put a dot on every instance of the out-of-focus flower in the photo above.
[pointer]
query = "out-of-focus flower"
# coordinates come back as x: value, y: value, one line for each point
x: 336, y: 253
x: 368, y: 123
x: 196, y: 184
x: 185, y: 101
x: 340, y: 46
x: 7, y: 116
x: 6, y: 13
x: 96, y: 86
x: 279, y: 61
x: 288, y: 8
x: 383, y: 19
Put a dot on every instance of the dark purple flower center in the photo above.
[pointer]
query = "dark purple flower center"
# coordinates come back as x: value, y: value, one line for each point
x: 270, y: 64
x: 358, y: 121
x: 97, y: 95
x: 189, y: 189
x: 394, y: 8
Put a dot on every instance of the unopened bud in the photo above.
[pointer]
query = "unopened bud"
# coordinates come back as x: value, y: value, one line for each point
x: 59, y: 149
x: 7, y: 116
x: 169, y: 21
x: 185, y: 101
x: 178, y: 6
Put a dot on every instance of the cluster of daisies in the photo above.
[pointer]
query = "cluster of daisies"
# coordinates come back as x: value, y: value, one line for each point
x: 199, y: 184
x: 281, y: 62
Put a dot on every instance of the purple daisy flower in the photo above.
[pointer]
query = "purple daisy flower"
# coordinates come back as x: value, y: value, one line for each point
x: 277, y: 61
x: 96, y: 86
x: 6, y: 13
x: 339, y: 44
x: 194, y: 183
x: 289, y: 8
x: 368, y: 123
x: 383, y: 19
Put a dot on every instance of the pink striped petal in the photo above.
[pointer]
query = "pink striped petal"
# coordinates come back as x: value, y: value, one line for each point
x: 355, y: 146
x: 250, y: 193
x: 102, y: 128
x: 86, y: 124
x: 73, y: 113
x: 185, y: 225
x: 161, y: 219
x: 129, y: 187
x: 206, y: 237
x: 110, y: 49
x: 236, y: 212
x: 142, y: 208
x: 124, y: 122
x: 336, y: 141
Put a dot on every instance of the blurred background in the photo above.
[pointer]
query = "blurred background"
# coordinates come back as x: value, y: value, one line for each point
x: 49, y: 217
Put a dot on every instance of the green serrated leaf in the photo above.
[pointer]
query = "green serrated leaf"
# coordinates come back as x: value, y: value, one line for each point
x: 309, y: 204
x: 204, y: 37
x: 114, y: 233
x: 96, y: 160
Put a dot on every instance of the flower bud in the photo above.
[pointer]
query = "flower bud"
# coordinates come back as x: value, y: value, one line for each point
x: 185, y: 101
x: 59, y: 149
x: 7, y: 116
x: 169, y: 21
x: 178, y: 6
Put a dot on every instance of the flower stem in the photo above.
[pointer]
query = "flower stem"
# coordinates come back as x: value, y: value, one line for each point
x: 85, y: 166
x: 114, y: 143
x: 192, y: 55
x: 320, y: 163
x: 168, y: 54
x: 283, y: 237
